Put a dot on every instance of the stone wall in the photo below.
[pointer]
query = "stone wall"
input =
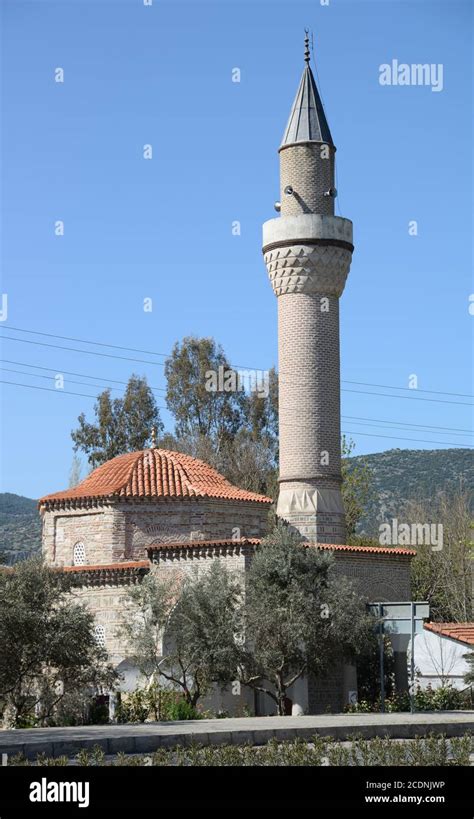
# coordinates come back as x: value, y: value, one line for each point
x: 191, y: 520
x: 309, y: 169
x: 99, y: 528
x: 377, y: 576
x: 107, y: 601
x: 122, y: 531
x: 236, y: 558
x: 326, y: 694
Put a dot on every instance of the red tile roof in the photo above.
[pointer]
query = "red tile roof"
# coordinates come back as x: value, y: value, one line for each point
x: 255, y: 541
x: 155, y: 473
x: 376, y: 550
x: 123, y: 565
x: 193, y: 544
x: 462, y: 632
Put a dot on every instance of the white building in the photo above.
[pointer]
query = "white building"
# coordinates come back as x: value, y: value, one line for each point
x: 440, y: 654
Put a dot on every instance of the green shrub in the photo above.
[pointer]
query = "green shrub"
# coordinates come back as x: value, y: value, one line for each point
x: 153, y: 703
x: 430, y: 750
x: 132, y: 707
x: 444, y: 698
x: 83, y: 758
x: 181, y: 710
x: 381, y: 751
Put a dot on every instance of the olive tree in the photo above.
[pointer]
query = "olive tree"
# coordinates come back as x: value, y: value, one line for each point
x: 288, y: 616
x: 184, y: 628
x: 48, y: 648
x: 299, y: 616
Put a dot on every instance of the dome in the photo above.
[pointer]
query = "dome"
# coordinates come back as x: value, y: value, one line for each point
x: 155, y: 473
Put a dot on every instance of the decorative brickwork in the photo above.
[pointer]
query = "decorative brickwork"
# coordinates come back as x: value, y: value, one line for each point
x: 310, y: 176
x: 308, y: 254
x: 124, y: 530
x: 319, y: 269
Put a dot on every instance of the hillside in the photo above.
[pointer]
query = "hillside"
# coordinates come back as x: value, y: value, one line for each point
x: 398, y: 475
x: 20, y: 527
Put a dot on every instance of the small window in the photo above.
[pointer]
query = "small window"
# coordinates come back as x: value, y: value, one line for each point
x: 79, y: 555
x: 100, y: 636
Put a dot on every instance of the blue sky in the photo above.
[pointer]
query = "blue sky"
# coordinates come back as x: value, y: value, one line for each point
x: 161, y: 228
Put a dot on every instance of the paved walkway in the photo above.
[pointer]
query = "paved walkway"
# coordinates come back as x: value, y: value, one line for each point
x: 145, y: 738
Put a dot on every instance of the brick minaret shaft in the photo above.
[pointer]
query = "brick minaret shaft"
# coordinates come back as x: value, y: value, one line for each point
x: 308, y: 253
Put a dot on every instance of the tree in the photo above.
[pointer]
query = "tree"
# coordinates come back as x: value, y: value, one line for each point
x: 244, y: 461
x: 294, y: 616
x: 252, y: 459
x: 183, y: 628
x: 356, y: 489
x: 201, y: 391
x: 300, y: 617
x: 121, y: 425
x: 262, y: 414
x: 48, y: 648
x: 249, y: 463
x: 233, y: 429
x: 75, y: 471
x: 445, y: 577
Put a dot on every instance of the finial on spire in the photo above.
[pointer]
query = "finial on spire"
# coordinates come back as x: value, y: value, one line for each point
x: 307, y: 56
x: 153, y: 437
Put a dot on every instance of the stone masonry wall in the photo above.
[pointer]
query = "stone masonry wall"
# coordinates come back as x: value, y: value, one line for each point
x: 309, y: 391
x: 310, y: 176
x: 108, y: 604
x: 379, y: 577
x: 100, y: 529
x: 123, y: 531
x: 236, y: 559
x: 203, y: 520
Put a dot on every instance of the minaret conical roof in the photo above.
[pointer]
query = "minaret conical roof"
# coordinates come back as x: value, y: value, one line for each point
x: 307, y: 122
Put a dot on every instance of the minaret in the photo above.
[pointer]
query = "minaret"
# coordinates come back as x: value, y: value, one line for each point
x: 308, y: 253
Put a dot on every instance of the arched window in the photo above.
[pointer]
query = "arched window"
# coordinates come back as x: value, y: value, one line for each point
x: 79, y: 554
x: 100, y: 635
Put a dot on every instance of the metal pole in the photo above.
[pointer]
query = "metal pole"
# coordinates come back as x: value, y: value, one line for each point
x: 381, y: 647
x: 412, y: 660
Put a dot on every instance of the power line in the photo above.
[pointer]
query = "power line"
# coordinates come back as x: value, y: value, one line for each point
x: 407, y: 424
x: 68, y: 372
x: 396, y: 424
x: 410, y: 389
x: 345, y: 432
x: 415, y: 440
x: 86, y: 352
x: 84, y: 341
x: 70, y: 381
x: 402, y: 428
x: 410, y: 397
x: 167, y: 355
x: 48, y: 389
x: 372, y: 421
x: 288, y: 383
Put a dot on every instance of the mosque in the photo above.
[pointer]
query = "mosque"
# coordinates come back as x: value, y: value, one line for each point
x: 157, y: 509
